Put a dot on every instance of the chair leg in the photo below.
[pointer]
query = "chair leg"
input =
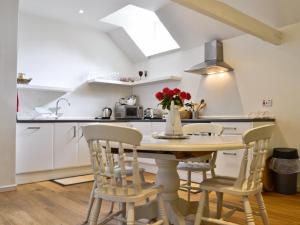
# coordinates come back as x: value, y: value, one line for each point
x: 111, y: 208
x: 248, y: 211
x: 122, y: 207
x: 262, y: 208
x: 142, y: 177
x: 200, y: 209
x: 213, y: 173
x: 189, y: 184
x: 96, y: 212
x: 162, y: 210
x: 206, y: 206
x: 90, y: 205
x: 204, y: 175
x: 219, y: 204
x: 130, y: 213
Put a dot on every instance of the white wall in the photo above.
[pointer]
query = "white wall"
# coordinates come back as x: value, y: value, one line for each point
x: 8, y: 68
x: 220, y: 92
x: 54, y: 53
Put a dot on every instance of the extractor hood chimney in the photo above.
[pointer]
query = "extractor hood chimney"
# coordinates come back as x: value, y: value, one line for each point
x: 213, y: 60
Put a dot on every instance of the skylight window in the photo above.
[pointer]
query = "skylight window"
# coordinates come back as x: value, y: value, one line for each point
x: 144, y: 28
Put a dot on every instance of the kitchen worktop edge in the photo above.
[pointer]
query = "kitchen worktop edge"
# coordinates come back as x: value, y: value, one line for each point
x: 219, y: 119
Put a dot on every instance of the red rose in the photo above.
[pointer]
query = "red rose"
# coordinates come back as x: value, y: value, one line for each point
x: 170, y: 93
x: 188, y: 96
x: 176, y: 91
x: 183, y: 95
x: 166, y: 90
x: 159, y: 96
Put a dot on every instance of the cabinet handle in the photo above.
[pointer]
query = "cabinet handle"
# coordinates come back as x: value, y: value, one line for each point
x: 230, y: 128
x: 229, y: 153
x: 33, y: 128
x: 81, y: 136
x: 75, y: 132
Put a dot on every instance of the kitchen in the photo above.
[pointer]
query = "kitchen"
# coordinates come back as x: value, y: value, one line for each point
x: 70, y: 53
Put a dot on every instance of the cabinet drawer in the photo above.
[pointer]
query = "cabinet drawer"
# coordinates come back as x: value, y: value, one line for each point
x: 235, y: 128
x: 228, y: 163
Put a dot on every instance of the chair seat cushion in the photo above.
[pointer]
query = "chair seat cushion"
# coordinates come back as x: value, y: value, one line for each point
x: 194, y: 166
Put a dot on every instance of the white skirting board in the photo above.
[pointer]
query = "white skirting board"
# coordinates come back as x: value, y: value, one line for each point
x: 52, y: 174
x: 12, y: 187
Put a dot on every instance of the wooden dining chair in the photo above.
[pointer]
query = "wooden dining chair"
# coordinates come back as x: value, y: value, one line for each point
x: 256, y: 142
x: 117, y: 171
x: 105, y: 142
x: 201, y: 164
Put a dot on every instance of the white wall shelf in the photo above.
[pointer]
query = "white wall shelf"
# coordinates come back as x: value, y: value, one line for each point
x: 145, y: 81
x: 42, y: 88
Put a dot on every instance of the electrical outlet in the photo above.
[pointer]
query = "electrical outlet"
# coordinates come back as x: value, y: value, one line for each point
x: 268, y: 102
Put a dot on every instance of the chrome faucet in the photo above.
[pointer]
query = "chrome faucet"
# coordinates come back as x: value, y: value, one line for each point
x: 57, y: 103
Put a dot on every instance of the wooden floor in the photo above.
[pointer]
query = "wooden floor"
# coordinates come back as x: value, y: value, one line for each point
x: 47, y: 203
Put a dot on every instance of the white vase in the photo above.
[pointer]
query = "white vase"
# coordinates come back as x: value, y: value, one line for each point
x: 173, y: 123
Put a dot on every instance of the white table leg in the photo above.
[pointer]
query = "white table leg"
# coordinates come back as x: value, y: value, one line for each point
x: 167, y: 177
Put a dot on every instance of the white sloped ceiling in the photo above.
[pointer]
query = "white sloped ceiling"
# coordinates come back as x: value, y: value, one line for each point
x: 187, y: 27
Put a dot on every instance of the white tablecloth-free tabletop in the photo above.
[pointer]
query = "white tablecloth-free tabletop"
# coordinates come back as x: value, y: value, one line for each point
x: 194, y: 143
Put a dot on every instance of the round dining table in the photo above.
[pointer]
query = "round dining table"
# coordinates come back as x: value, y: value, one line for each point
x: 167, y: 154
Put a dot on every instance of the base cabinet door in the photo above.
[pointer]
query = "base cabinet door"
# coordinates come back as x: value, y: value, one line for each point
x: 34, y: 146
x: 143, y: 127
x: 83, y: 148
x: 228, y: 163
x: 158, y: 127
x: 65, y: 145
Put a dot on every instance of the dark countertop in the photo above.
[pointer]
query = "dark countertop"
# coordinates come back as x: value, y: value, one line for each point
x: 201, y: 120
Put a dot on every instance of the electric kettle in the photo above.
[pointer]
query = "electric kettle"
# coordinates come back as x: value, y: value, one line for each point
x: 106, y: 113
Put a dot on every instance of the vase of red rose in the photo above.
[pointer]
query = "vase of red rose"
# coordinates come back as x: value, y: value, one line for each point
x: 172, y: 100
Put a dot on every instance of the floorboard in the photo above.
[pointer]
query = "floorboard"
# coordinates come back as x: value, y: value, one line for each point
x: 48, y: 203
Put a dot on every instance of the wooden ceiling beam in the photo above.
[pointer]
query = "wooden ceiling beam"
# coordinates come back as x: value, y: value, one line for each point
x: 235, y: 18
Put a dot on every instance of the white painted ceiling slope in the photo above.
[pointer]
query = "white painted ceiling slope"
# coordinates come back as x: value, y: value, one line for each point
x: 188, y: 28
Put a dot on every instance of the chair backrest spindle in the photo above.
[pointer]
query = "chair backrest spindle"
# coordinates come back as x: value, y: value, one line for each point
x: 106, y: 140
x: 258, y: 140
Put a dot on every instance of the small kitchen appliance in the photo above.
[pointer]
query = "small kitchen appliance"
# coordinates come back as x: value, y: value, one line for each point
x: 151, y: 113
x: 106, y: 113
x: 128, y: 111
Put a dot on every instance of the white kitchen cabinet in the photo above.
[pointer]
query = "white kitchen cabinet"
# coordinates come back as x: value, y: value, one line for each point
x: 34, y: 147
x: 147, y: 128
x: 83, y: 148
x: 65, y: 145
x: 143, y: 127
x: 235, y: 128
x: 158, y: 126
x: 228, y: 162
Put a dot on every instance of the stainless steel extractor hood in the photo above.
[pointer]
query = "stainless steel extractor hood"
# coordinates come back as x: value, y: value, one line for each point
x: 213, y: 60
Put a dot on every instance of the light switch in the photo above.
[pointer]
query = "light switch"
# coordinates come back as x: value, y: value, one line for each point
x: 268, y: 102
